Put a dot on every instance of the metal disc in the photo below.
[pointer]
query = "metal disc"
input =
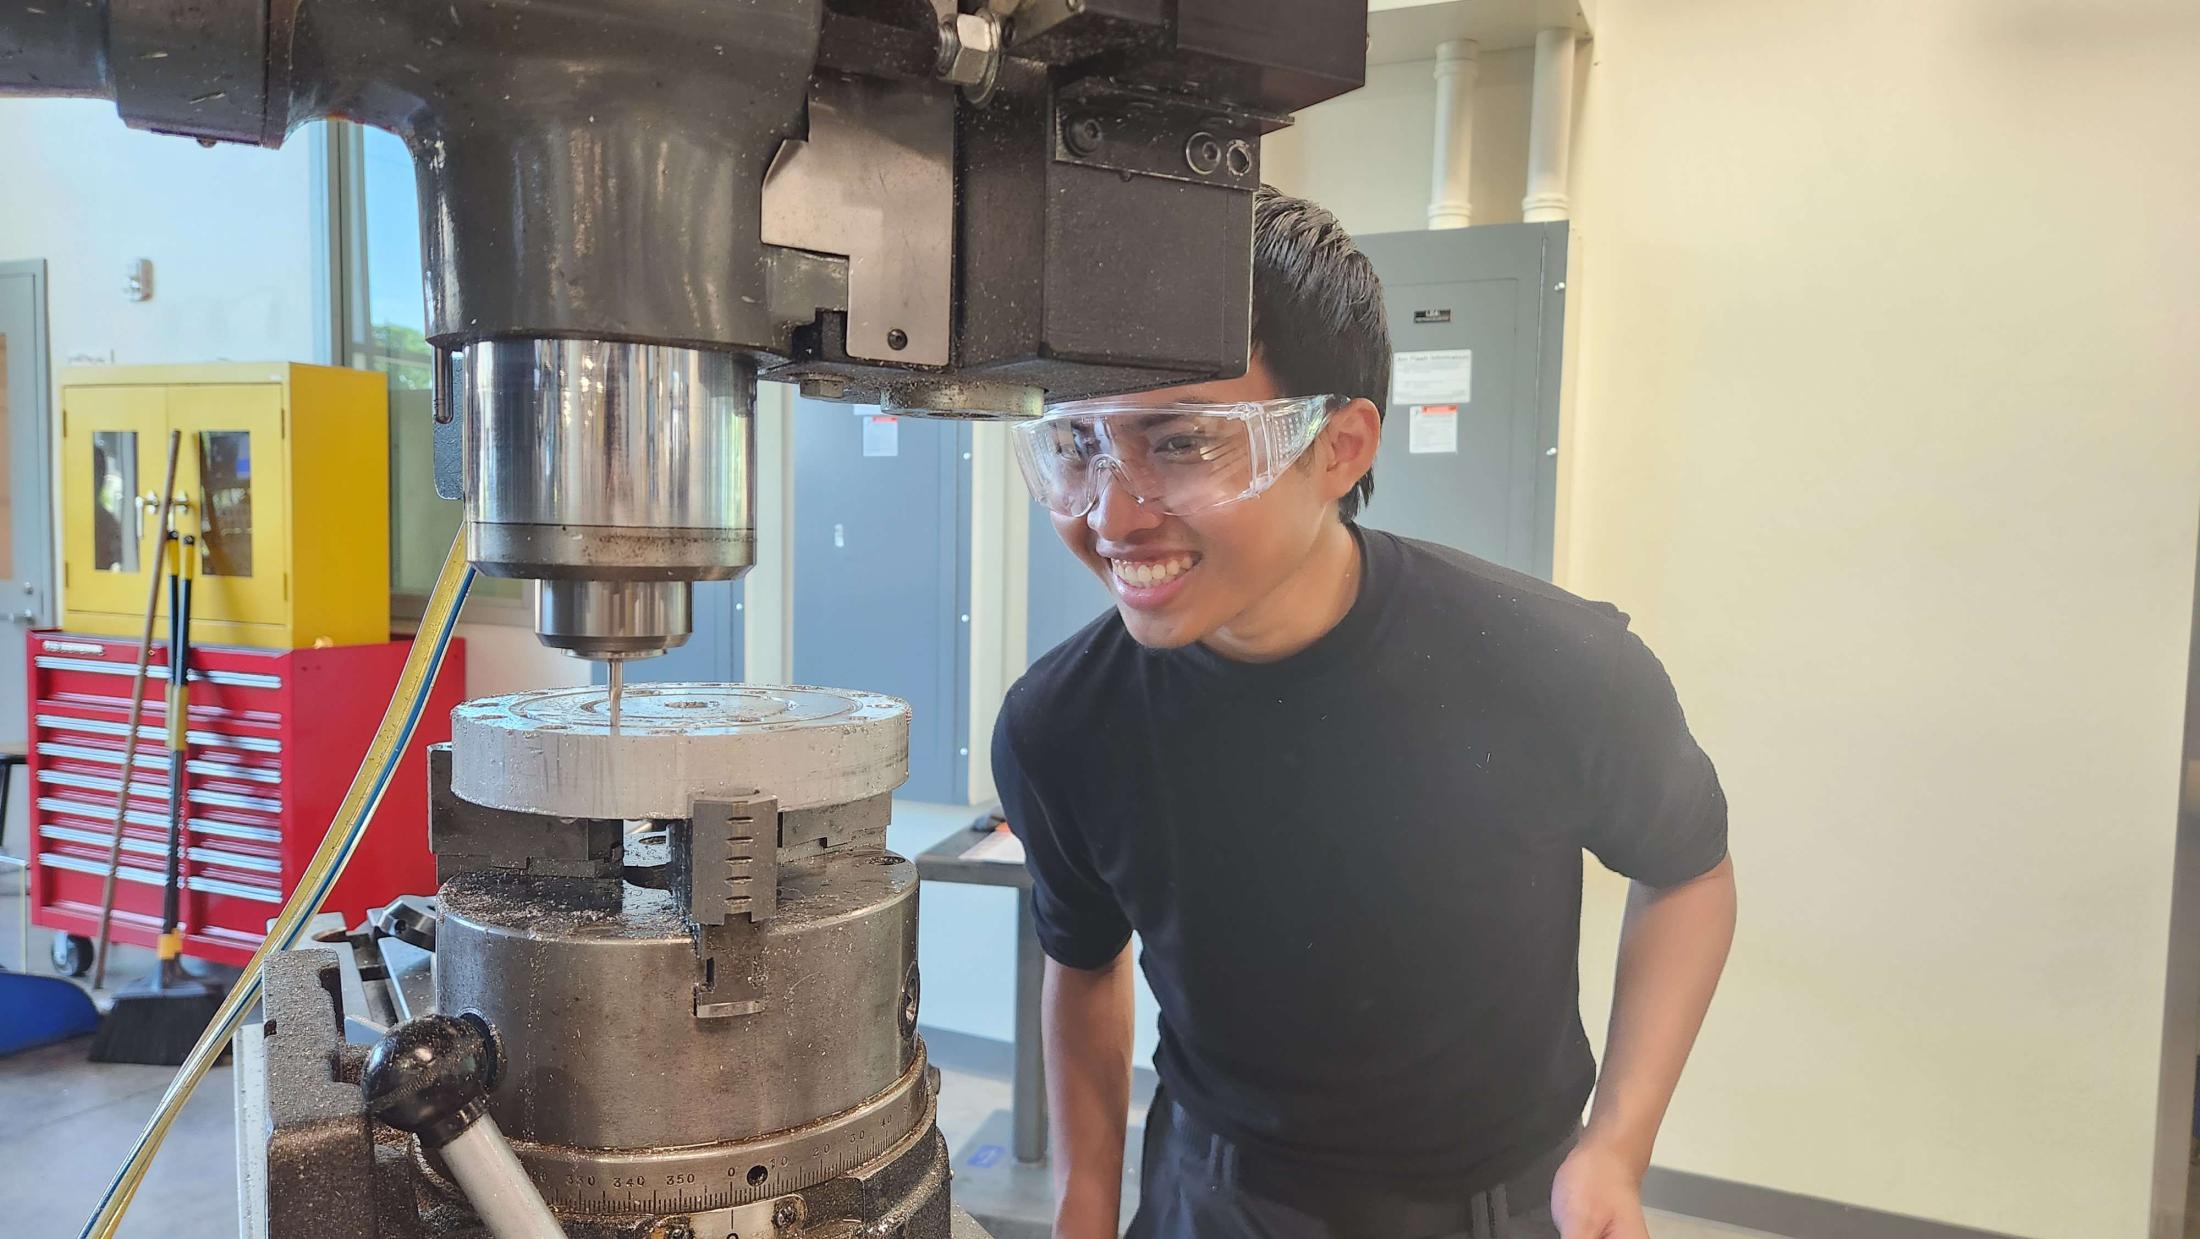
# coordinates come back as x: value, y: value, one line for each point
x: 553, y: 751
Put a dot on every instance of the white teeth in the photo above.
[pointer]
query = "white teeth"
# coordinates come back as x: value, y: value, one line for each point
x: 1144, y: 573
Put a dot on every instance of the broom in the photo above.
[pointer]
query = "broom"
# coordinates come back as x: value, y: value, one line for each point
x: 157, y: 1020
x: 137, y: 711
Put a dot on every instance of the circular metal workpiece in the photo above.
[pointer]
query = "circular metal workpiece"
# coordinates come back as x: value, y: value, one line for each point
x: 554, y: 752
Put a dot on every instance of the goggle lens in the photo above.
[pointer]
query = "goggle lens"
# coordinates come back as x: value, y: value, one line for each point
x: 1178, y: 459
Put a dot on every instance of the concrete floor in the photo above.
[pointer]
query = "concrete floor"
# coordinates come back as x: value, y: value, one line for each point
x: 66, y: 1124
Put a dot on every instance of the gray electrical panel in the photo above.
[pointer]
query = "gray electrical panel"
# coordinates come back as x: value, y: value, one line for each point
x: 881, y: 574
x: 1470, y: 440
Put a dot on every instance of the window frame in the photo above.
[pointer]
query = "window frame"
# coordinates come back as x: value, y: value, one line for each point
x: 347, y: 334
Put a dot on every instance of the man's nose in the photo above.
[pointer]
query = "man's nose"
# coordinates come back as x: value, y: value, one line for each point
x: 1116, y: 512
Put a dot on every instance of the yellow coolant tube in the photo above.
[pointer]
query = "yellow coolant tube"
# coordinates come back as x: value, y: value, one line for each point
x: 328, y: 862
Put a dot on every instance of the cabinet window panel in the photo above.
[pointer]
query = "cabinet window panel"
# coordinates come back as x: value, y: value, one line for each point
x: 225, y: 491
x: 393, y: 340
x: 114, y: 501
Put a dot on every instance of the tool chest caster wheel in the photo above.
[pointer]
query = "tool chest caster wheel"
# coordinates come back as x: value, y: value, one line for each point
x: 72, y: 954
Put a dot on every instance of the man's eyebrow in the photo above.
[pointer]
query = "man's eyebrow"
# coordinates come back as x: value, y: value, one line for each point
x: 1171, y: 421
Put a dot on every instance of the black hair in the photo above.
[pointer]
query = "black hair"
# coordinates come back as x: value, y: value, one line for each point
x: 1318, y: 319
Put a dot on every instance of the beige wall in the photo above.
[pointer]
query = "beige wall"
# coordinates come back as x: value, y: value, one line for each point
x: 1885, y: 425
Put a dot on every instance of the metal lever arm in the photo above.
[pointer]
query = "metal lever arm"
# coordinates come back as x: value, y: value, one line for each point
x: 431, y: 1076
x: 497, y: 1186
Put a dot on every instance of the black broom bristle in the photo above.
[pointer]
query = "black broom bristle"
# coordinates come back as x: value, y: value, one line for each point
x: 155, y: 1024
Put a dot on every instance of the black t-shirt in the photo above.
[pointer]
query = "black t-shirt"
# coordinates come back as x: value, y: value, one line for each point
x: 1357, y: 870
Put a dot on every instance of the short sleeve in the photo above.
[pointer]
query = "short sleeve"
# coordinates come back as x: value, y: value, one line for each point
x: 1655, y: 810
x: 1080, y: 922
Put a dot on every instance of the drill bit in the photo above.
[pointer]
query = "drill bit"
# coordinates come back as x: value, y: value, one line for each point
x: 618, y: 689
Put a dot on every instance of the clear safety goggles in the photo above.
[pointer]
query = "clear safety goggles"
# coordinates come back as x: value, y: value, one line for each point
x: 1178, y: 458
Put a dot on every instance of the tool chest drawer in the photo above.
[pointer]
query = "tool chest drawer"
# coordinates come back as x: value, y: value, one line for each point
x: 274, y: 738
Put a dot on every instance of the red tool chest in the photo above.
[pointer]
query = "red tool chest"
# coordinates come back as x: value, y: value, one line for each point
x: 275, y: 737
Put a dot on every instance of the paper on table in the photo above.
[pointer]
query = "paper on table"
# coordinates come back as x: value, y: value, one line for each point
x: 999, y: 846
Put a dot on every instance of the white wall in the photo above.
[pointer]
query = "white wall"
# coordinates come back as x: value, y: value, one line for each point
x: 1366, y: 155
x: 506, y: 658
x: 1881, y: 423
x: 228, y: 230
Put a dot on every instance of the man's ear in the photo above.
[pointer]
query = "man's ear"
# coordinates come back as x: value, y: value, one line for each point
x: 1346, y: 449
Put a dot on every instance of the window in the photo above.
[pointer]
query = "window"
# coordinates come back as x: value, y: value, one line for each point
x: 225, y: 495
x: 114, y: 493
x: 382, y: 320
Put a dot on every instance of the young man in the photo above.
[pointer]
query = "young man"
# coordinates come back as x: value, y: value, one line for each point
x: 1340, y: 782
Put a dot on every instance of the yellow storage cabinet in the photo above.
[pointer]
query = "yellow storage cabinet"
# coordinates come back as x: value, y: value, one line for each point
x: 284, y: 472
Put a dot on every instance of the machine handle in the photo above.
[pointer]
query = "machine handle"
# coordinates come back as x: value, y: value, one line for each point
x: 431, y: 1076
x: 496, y: 1185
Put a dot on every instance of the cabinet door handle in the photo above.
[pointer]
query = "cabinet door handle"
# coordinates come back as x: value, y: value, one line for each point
x: 180, y: 502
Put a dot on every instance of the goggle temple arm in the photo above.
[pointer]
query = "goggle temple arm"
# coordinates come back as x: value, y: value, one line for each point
x: 1275, y: 432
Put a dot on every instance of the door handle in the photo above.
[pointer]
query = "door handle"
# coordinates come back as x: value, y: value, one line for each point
x: 180, y: 502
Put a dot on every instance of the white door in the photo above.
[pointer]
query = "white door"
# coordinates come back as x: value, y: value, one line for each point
x: 26, y: 504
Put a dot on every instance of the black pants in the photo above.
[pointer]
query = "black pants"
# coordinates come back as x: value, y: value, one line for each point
x: 1196, y: 1185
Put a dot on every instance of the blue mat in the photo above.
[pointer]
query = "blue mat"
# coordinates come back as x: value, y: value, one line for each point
x: 37, y: 1011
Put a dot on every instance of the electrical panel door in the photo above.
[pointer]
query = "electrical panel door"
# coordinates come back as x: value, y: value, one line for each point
x: 1470, y: 436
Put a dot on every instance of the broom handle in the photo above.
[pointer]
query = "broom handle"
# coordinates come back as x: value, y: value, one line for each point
x: 182, y: 552
x: 137, y: 709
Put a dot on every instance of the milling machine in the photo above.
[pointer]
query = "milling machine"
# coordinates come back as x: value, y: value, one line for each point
x: 674, y: 962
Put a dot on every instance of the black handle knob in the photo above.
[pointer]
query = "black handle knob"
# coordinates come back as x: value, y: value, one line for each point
x: 431, y: 1076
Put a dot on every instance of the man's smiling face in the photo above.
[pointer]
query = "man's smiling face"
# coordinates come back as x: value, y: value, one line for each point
x: 1178, y: 579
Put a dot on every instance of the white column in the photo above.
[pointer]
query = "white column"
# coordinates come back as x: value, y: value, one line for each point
x: 767, y: 606
x: 1000, y: 588
x: 1450, y: 203
x: 1550, y: 126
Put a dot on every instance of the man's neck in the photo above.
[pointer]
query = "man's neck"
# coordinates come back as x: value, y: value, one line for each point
x: 1302, y: 609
